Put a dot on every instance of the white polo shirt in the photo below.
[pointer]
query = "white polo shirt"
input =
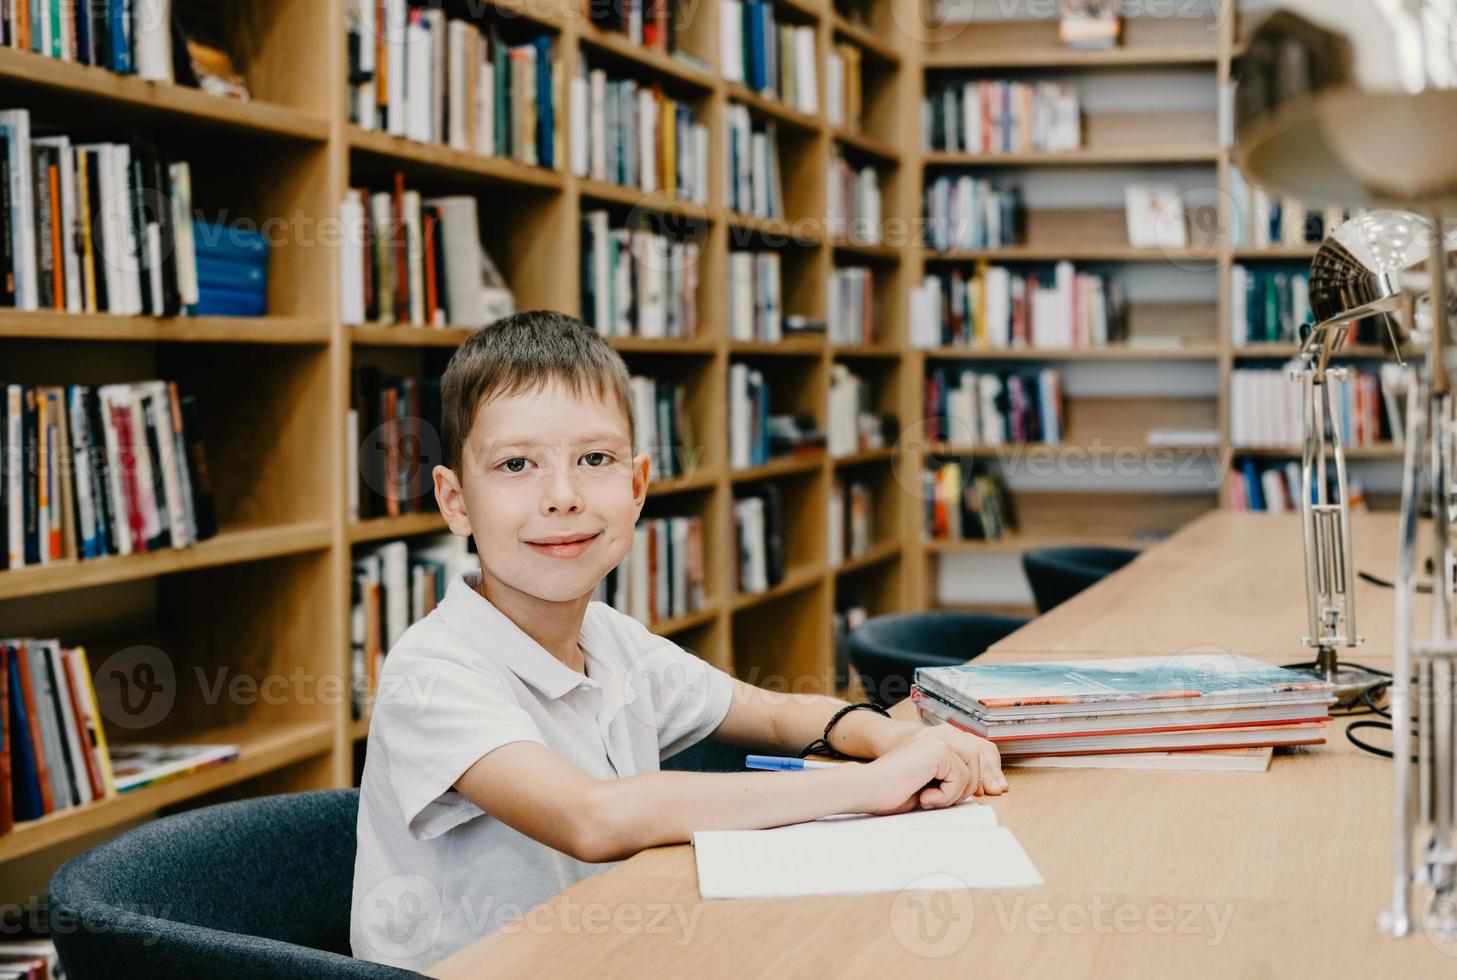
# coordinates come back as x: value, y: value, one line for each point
x: 432, y: 871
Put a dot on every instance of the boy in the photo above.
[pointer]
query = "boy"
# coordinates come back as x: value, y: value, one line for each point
x: 520, y: 752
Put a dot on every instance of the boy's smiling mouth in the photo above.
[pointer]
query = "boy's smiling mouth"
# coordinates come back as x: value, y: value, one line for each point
x: 563, y: 545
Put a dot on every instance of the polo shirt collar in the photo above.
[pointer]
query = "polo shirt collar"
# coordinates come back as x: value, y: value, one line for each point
x: 492, y: 634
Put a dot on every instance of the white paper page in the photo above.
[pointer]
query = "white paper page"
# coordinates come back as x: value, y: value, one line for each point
x: 968, y: 814
x: 760, y: 864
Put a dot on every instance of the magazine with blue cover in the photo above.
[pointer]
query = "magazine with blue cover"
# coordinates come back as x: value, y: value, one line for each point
x: 1186, y: 678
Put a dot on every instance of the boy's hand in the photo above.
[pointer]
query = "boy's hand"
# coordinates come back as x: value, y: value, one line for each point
x: 963, y: 764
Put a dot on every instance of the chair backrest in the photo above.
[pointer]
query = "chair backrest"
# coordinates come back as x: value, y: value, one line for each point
x: 257, y: 888
x: 886, y: 650
x: 1058, y: 574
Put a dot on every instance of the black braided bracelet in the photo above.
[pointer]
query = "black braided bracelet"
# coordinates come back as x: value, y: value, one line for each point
x: 822, y: 746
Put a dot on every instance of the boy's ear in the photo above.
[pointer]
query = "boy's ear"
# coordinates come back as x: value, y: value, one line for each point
x: 451, y: 498
x: 642, y: 472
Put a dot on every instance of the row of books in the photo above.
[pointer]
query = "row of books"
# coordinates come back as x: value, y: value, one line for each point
x: 961, y: 504
x: 748, y: 417
x: 773, y: 59
x: 753, y: 184
x: 846, y: 619
x: 392, y: 435
x: 1131, y: 704
x: 851, y: 425
x: 851, y: 527
x: 1002, y: 117
x: 1268, y: 304
x: 844, y: 91
x: 406, y: 259
x: 638, y: 282
x: 648, y: 23
x: 1266, y: 407
x: 755, y: 304
x: 993, y: 409
x: 1264, y: 220
x: 91, y: 472
x: 850, y: 308
x: 417, y: 74
x: 631, y: 133
x: 997, y: 308
x: 661, y: 576
x: 125, y: 36
x: 102, y: 227
x: 853, y: 201
x: 970, y: 213
x: 1275, y: 487
x: 663, y: 425
x: 393, y: 585
x: 759, y: 533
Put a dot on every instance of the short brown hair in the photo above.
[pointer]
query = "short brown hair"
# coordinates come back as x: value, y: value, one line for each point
x: 520, y: 353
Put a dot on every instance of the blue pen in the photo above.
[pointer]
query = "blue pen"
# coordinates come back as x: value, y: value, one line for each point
x: 781, y: 763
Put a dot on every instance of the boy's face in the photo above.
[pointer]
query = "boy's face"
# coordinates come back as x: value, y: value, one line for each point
x: 549, y: 489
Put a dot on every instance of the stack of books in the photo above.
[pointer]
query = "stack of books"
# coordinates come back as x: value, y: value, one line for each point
x: 986, y: 409
x: 852, y: 508
x: 232, y: 271
x: 1265, y: 408
x: 1002, y: 117
x: 960, y: 504
x: 776, y: 60
x: 392, y: 432
x: 969, y: 213
x: 661, y: 576
x: 851, y: 305
x: 755, y: 310
x: 664, y: 428
x: 854, y: 201
x: 997, y: 308
x: 91, y: 472
x: 1135, y: 704
x: 636, y: 281
x: 759, y: 534
x: 754, y: 183
x: 844, y: 98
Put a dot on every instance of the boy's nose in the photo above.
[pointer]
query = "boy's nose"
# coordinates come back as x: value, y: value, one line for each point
x: 561, y: 495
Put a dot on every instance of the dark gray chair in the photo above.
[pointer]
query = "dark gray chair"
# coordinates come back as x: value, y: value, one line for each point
x: 886, y: 650
x: 1058, y: 574
x: 255, y: 889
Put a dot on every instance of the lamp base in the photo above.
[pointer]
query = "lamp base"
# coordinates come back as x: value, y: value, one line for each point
x: 1350, y: 681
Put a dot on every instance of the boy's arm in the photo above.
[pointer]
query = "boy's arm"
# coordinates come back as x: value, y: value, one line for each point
x: 789, y: 722
x: 535, y: 791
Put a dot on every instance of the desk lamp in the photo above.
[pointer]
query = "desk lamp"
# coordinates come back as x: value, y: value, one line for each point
x: 1351, y: 102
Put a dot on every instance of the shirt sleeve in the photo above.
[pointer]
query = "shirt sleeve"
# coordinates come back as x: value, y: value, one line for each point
x: 435, y: 718
x: 683, y: 695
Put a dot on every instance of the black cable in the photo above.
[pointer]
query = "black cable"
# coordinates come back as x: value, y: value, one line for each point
x: 1384, y: 726
x: 1424, y: 588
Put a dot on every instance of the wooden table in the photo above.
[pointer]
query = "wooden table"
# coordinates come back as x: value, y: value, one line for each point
x: 1148, y: 874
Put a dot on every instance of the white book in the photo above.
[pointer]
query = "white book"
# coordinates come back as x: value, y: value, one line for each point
x: 22, y: 209
x: 806, y: 92
x: 647, y: 140
x: 461, y: 247
x: 351, y: 261
x: 152, y: 40
x: 121, y: 534
x: 740, y: 417
x: 662, y: 584
x: 70, y: 272
x: 459, y: 100
x: 485, y: 101
x: 597, y: 92
x: 953, y: 848
x: 579, y: 97
x: 419, y: 71
x: 146, y: 467
x: 72, y: 736
x: 396, y: 25
x: 835, y: 89
x: 415, y: 256
x: 128, y: 260
x: 13, y: 473
x: 731, y: 41
x: 351, y: 463
x: 186, y: 245
x: 678, y: 542
x: 167, y: 462
x: 394, y: 561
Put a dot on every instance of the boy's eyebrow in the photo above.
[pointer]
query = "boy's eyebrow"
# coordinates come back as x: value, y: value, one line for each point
x: 526, y: 442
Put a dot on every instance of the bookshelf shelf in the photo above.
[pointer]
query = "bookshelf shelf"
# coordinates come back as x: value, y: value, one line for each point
x: 1073, y: 252
x: 773, y: 231
x: 688, y: 621
x: 873, y: 46
x: 1276, y: 253
x: 867, y: 146
x: 799, y: 10
x: 1057, y: 57
x: 404, y: 335
x: 795, y: 580
x: 433, y: 161
x: 876, y: 352
x: 125, y: 97
x: 48, y: 325
x: 260, y: 751
x: 1252, y: 351
x: 403, y: 526
x: 879, y: 554
x: 1112, y: 352
x: 667, y: 486
x: 1026, y: 541
x: 657, y: 202
x: 810, y: 346
x: 864, y: 457
x: 785, y: 466
x: 791, y: 119
x: 1171, y: 153
x: 697, y: 346
x: 230, y: 547
x: 1388, y: 450
x: 620, y: 48
x: 882, y: 254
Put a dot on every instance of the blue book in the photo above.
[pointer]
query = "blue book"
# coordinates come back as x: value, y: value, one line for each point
x: 212, y: 301
x: 83, y: 35
x: 233, y: 244
x: 755, y: 23
x: 120, y: 19
x: 1253, y: 486
x: 228, y: 274
x: 24, y: 775
x: 1142, y: 683
x: 545, y: 119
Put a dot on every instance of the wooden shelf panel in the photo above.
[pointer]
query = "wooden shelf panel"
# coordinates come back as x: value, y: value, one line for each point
x: 52, y: 325
x: 1114, y: 138
x: 691, y: 483
x: 405, y: 335
x: 879, y: 254
x: 260, y: 750
x: 795, y: 580
x: 784, y: 466
x: 1147, y: 41
x: 1112, y: 352
x: 658, y: 202
x: 812, y: 345
x: 432, y: 159
x: 1027, y: 541
x: 774, y: 231
x: 879, y: 554
x: 788, y: 118
x: 230, y: 547
x: 1083, y: 157
x: 619, y: 47
x: 1290, y: 350
x: 879, y: 152
x: 389, y: 528
x: 867, y: 352
x: 1276, y: 253
x: 688, y: 621
x: 1387, y: 450
x: 866, y: 456
x: 873, y: 47
x: 156, y: 100
x: 696, y: 346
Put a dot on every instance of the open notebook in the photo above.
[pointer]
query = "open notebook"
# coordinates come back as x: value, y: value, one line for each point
x: 857, y: 853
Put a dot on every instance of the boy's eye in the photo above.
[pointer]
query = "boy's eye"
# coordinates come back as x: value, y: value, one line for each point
x: 515, y: 464
x: 596, y: 459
